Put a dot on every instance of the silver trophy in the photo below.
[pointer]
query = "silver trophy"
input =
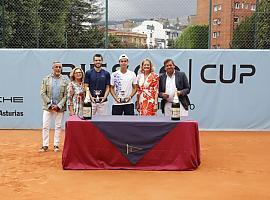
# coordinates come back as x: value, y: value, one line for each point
x: 97, y: 93
x: 122, y: 96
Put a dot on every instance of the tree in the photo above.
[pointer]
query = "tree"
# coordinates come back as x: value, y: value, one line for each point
x: 253, y: 32
x: 20, y: 23
x: 263, y: 25
x: 243, y: 35
x: 84, y: 16
x: 115, y: 42
x: 91, y: 38
x: 52, y: 31
x: 52, y: 24
x: 193, y: 37
x: 1, y: 26
x: 171, y: 44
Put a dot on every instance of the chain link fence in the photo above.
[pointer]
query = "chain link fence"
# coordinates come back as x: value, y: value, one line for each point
x: 184, y: 24
x: 252, y: 32
x: 51, y: 24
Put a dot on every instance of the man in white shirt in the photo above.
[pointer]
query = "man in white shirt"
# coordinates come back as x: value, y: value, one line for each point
x: 123, y: 88
x: 170, y: 82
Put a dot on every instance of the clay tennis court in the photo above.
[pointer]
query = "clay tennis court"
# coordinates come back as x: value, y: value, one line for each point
x: 235, y: 165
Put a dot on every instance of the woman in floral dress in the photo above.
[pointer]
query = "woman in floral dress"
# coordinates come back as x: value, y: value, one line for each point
x: 147, y: 96
x: 75, y: 95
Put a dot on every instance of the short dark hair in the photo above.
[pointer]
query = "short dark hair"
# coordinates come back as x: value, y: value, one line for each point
x: 168, y: 60
x: 97, y: 55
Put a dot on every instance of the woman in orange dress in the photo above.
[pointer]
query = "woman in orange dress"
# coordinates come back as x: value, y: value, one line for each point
x: 147, y: 96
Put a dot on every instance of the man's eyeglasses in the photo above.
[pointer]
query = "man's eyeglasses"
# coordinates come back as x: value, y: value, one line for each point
x: 58, y: 67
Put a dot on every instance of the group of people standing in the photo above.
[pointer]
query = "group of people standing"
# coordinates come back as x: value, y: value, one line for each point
x: 123, y: 84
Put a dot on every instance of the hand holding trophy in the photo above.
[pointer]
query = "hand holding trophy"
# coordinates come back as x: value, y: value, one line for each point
x: 122, y: 96
x: 97, y: 93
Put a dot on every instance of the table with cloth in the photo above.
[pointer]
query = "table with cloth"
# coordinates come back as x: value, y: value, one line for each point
x: 131, y: 142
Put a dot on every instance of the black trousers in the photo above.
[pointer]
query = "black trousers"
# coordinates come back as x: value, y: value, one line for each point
x: 127, y: 109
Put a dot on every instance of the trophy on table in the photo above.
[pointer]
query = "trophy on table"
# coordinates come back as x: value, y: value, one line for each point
x: 122, y: 96
x: 97, y: 93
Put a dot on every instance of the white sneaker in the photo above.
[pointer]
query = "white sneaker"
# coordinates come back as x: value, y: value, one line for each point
x: 43, y: 149
x: 56, y: 149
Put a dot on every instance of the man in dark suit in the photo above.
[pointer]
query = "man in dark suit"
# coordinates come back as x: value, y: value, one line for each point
x: 170, y: 82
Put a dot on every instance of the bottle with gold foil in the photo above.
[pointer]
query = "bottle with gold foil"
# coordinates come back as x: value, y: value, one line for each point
x: 87, y: 110
x: 175, y: 108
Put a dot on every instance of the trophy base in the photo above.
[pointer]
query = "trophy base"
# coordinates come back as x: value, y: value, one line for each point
x: 123, y: 100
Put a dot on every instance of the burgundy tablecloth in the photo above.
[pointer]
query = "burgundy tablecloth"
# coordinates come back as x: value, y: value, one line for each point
x: 86, y: 147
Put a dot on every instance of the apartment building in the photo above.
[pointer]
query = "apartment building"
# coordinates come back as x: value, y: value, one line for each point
x: 156, y: 34
x: 226, y: 15
x: 137, y: 39
x: 202, y: 16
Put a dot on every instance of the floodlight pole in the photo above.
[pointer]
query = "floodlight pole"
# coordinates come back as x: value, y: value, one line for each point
x: 210, y: 24
x: 106, y: 24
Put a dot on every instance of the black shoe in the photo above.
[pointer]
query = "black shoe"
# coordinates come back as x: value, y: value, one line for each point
x: 56, y: 149
x: 43, y: 149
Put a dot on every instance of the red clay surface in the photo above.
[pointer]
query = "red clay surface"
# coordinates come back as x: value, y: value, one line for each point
x: 235, y: 165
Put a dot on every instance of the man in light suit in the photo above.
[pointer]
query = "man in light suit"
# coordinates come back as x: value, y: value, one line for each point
x: 54, y: 96
x: 170, y: 82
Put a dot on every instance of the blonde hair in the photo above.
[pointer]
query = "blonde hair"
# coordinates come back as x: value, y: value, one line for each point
x: 151, y: 65
x: 71, y: 75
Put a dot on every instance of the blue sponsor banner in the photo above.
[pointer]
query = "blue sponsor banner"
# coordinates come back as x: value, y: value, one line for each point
x: 227, y: 86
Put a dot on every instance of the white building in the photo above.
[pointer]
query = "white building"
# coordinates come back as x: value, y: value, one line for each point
x: 157, y: 36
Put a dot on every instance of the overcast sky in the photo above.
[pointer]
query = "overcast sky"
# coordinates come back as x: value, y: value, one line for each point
x: 126, y: 9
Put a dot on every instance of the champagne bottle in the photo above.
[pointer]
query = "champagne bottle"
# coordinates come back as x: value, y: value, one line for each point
x: 87, y: 110
x: 175, y: 108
